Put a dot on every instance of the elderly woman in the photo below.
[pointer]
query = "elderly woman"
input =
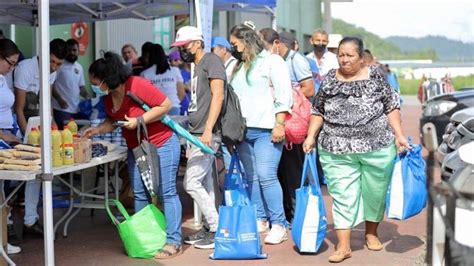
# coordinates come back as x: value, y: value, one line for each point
x: 359, y: 118
x: 264, y: 108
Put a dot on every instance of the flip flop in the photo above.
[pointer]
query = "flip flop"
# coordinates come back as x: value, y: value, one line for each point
x: 168, y: 252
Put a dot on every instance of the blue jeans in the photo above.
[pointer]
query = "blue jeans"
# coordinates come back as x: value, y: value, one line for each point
x: 32, y: 195
x: 260, y: 157
x: 169, y: 154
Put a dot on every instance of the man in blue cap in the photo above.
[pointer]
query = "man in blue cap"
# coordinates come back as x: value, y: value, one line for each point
x: 221, y: 47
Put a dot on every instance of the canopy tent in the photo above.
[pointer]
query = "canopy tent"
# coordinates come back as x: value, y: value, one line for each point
x: 25, y: 12
x: 43, y: 13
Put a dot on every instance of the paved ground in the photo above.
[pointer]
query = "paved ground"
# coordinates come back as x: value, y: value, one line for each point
x: 93, y: 239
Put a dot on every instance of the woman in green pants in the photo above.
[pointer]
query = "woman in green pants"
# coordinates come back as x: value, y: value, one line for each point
x: 359, y: 118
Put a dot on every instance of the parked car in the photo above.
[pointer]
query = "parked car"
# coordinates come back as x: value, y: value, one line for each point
x: 437, y: 112
x: 456, y: 119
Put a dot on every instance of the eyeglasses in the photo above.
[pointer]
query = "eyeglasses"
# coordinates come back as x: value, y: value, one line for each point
x: 12, y: 64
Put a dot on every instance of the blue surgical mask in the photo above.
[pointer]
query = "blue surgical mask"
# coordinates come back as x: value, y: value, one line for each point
x: 98, y: 92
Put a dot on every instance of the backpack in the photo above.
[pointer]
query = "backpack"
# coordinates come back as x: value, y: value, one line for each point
x: 232, y: 122
x: 297, y: 123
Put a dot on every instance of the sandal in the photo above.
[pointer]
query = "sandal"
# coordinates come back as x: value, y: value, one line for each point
x: 374, y: 245
x: 168, y: 252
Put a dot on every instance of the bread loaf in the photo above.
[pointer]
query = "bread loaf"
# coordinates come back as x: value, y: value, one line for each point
x: 21, y: 162
x: 19, y: 167
x: 26, y: 155
x: 6, y: 153
x: 22, y: 147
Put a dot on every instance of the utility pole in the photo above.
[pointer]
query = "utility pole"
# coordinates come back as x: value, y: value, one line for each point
x: 327, y: 17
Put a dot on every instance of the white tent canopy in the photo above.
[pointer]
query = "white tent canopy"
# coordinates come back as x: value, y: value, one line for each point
x: 43, y: 13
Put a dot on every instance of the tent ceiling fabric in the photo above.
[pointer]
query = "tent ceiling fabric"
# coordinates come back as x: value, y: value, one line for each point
x: 69, y: 11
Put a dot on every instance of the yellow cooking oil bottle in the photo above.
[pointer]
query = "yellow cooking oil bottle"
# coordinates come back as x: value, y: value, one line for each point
x: 56, y: 146
x: 68, y: 146
x: 34, y: 137
x: 72, y: 125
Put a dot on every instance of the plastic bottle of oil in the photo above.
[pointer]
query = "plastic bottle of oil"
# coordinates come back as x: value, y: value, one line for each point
x: 68, y: 146
x: 72, y: 125
x: 56, y: 146
x: 34, y: 137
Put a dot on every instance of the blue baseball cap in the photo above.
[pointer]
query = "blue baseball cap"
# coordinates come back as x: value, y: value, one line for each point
x: 220, y: 41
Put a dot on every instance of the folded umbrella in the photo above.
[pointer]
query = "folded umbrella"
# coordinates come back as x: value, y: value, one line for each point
x: 178, y: 129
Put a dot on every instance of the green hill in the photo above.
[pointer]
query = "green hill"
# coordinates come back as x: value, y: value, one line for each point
x: 446, y: 49
x: 380, y: 47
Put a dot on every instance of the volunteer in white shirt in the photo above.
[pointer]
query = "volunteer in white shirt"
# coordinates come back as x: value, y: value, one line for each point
x: 221, y: 47
x: 166, y: 78
x: 69, y: 86
x: 324, y: 59
x: 26, y: 82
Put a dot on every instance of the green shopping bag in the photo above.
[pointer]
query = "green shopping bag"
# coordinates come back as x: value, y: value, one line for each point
x: 143, y: 233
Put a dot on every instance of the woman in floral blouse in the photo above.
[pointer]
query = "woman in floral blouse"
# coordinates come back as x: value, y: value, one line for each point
x: 359, y: 118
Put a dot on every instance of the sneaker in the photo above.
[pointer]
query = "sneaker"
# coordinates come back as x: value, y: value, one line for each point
x: 11, y: 249
x: 199, y: 235
x: 277, y: 235
x: 35, y: 229
x: 262, y: 226
x: 206, y: 243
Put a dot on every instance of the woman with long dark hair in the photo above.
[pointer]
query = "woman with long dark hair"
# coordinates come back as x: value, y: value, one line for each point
x: 166, y: 78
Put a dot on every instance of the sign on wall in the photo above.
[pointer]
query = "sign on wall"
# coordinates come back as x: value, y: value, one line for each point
x: 80, y: 33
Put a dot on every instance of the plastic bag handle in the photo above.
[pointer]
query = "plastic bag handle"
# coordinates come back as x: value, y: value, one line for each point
x: 235, y: 164
x: 310, y: 162
x: 121, y: 209
x: 141, y: 124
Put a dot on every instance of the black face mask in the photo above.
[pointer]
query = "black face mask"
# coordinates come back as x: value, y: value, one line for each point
x: 187, y: 56
x: 236, y: 54
x: 319, y: 48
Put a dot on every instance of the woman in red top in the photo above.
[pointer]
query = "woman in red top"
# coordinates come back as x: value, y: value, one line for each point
x: 110, y: 78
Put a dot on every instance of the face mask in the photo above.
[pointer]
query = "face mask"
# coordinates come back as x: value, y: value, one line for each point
x: 236, y: 54
x: 187, y: 56
x: 319, y: 48
x: 98, y: 92
x: 71, y: 58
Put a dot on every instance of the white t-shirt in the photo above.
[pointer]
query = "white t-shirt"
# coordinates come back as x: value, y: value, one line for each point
x: 229, y: 67
x: 69, y: 79
x: 166, y: 82
x: 328, y: 62
x: 7, y: 99
x: 26, y: 75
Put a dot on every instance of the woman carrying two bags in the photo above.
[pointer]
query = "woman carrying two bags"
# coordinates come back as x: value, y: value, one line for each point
x: 110, y: 78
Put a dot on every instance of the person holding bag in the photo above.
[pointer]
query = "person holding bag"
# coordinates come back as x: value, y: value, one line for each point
x: 110, y: 78
x: 265, y: 111
x: 359, y: 118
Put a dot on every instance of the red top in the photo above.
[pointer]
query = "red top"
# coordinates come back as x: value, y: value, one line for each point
x: 158, y: 133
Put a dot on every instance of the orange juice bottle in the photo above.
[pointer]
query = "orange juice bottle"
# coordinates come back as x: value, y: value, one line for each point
x: 68, y: 146
x: 56, y: 146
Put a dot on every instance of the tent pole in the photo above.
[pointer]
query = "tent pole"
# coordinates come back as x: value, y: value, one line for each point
x: 45, y: 108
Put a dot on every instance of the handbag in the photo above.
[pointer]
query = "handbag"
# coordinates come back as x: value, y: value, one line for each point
x: 309, y: 225
x: 407, y: 194
x: 143, y: 233
x: 237, y: 234
x: 147, y: 159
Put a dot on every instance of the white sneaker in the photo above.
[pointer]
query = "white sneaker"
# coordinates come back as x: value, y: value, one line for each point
x: 277, y: 235
x: 11, y: 249
x: 262, y: 226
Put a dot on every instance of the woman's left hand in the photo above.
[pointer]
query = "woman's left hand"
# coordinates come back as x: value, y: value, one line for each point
x: 132, y: 122
x: 278, y: 133
x: 402, y: 143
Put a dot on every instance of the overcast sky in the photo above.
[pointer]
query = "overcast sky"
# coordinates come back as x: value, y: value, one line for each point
x: 453, y: 19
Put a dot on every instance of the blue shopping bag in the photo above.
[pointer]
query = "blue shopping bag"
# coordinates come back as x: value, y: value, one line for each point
x: 235, y: 187
x: 309, y: 223
x: 407, y: 193
x: 237, y: 234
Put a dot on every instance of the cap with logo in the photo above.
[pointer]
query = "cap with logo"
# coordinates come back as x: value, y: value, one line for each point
x: 221, y: 41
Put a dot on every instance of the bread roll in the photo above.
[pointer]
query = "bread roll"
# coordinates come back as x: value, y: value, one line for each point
x: 22, y: 147
x: 26, y: 155
x: 20, y: 162
x: 19, y: 167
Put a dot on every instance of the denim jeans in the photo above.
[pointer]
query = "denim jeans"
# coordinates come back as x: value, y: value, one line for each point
x: 260, y: 157
x: 32, y: 194
x: 169, y: 154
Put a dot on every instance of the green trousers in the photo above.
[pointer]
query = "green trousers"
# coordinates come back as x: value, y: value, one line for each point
x: 358, y: 184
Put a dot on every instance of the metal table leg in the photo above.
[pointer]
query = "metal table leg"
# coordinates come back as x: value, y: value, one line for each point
x: 71, y: 203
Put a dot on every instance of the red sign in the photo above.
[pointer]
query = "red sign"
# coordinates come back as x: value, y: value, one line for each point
x: 80, y: 32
